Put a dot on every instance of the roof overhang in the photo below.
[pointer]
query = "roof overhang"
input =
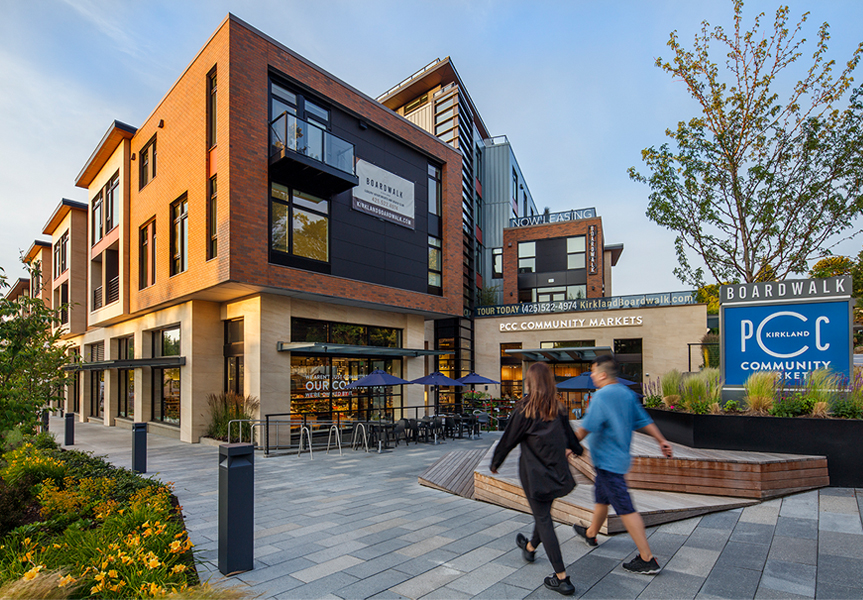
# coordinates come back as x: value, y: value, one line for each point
x: 35, y: 248
x: 164, y: 362
x: 116, y: 133
x: 560, y: 355
x: 616, y: 250
x: 324, y: 348
x: 19, y: 288
x: 60, y: 213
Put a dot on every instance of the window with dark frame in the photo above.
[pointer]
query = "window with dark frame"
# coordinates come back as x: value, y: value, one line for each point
x: 98, y: 222
x: 166, y: 397
x: 179, y: 235
x: 435, y: 190
x: 435, y: 271
x: 110, y: 204
x: 147, y: 163
x: 126, y: 378
x: 147, y: 255
x: 526, y: 257
x: 212, y: 221
x: 234, y: 356
x: 497, y: 263
x: 211, y: 108
x: 61, y: 254
x: 299, y: 225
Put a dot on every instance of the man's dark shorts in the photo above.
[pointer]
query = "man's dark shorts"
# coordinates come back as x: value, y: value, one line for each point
x: 610, y: 488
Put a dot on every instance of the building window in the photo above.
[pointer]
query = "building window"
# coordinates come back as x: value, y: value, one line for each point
x: 527, y: 257
x: 497, y: 263
x: 575, y: 252
x: 147, y: 255
x: 98, y: 230
x: 61, y: 254
x: 166, y: 381
x: 111, y: 198
x: 435, y: 283
x: 628, y: 353
x: 147, y: 163
x: 126, y: 379
x: 96, y: 353
x: 179, y: 236
x: 478, y: 260
x: 299, y: 224
x: 64, y: 303
x: 416, y: 103
x: 310, y: 330
x: 515, y: 191
x: 211, y: 109
x: 435, y: 196
x: 212, y: 222
x: 234, y: 356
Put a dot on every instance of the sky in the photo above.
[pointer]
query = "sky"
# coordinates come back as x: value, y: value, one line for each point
x: 572, y: 84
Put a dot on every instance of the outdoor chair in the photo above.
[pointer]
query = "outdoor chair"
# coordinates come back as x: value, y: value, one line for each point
x: 482, y: 420
x: 400, y: 430
x: 425, y: 428
x: 412, y: 432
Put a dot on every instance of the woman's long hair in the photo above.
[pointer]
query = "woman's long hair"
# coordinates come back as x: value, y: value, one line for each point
x: 541, y: 399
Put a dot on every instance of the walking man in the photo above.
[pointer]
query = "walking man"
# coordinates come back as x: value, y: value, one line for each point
x: 614, y: 413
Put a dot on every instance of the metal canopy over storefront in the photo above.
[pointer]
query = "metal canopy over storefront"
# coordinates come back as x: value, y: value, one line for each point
x: 163, y: 362
x: 327, y: 349
x: 559, y: 355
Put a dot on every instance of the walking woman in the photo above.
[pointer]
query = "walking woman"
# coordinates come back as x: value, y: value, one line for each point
x: 540, y: 424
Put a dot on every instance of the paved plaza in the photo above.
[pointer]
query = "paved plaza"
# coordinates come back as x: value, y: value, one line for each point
x: 360, y: 526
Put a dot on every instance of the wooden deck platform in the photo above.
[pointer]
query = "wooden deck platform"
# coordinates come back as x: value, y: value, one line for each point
x: 656, y: 507
x: 758, y: 475
x: 454, y: 472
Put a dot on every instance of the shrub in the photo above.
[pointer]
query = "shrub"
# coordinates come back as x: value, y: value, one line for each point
x: 760, y: 389
x: 794, y: 405
x: 844, y: 407
x: 731, y: 406
x: 226, y: 407
x: 29, y: 460
x: 652, y: 401
x: 15, y: 502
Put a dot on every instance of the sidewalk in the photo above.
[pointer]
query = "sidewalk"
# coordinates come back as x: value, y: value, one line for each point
x: 360, y: 526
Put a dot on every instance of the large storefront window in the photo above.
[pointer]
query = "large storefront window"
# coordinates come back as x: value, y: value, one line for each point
x: 234, y: 356
x: 299, y: 226
x: 319, y: 387
x: 166, y: 382
x: 309, y: 330
x: 628, y: 353
x: 126, y: 379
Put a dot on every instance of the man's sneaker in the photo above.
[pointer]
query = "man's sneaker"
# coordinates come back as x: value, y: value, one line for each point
x: 641, y: 566
x: 581, y: 532
x: 526, y: 554
x: 561, y: 586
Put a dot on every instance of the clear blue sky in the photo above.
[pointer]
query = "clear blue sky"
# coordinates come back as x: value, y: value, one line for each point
x: 571, y: 83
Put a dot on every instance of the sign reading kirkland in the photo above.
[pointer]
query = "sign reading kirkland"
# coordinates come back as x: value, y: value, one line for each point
x: 791, y: 332
x: 538, y: 308
x: 384, y: 194
x: 558, y: 217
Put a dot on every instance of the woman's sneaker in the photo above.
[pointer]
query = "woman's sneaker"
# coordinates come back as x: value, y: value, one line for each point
x: 526, y: 554
x: 582, y: 533
x: 561, y: 586
x: 641, y: 566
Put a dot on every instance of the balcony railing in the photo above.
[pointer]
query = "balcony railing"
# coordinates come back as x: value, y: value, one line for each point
x: 97, y: 298
x: 288, y: 132
x: 113, y: 290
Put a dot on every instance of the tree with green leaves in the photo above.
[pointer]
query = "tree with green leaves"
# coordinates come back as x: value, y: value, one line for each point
x: 754, y: 186
x: 32, y: 357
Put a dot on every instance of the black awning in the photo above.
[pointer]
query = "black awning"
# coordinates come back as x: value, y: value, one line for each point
x: 324, y: 348
x: 130, y: 363
x: 560, y: 355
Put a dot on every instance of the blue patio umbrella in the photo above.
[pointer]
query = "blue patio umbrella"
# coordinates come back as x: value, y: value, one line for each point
x: 473, y: 379
x: 377, y: 377
x: 436, y: 379
x: 583, y: 382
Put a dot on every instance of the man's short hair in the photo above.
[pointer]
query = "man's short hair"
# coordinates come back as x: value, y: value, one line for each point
x: 607, y: 364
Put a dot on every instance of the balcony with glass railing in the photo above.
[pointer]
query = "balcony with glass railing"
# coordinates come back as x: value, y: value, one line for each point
x: 311, y: 156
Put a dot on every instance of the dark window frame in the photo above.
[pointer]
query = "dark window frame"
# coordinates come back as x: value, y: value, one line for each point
x: 435, y: 246
x: 98, y: 217
x: 212, y: 219
x: 147, y: 255
x: 289, y: 257
x: 158, y: 389
x: 212, y: 108
x: 147, y: 163
x: 126, y: 379
x: 179, y: 235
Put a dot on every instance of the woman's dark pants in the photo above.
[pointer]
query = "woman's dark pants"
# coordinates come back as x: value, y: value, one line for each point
x: 543, y: 531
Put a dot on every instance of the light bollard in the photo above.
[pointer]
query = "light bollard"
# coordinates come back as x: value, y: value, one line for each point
x: 45, y: 417
x: 236, y: 508
x: 70, y: 429
x: 139, y: 447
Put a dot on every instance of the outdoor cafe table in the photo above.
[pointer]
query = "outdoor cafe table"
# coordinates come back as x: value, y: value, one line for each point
x: 381, y: 431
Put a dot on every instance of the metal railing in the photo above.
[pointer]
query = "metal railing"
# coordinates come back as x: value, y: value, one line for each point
x: 97, y: 298
x: 113, y: 290
x: 292, y: 133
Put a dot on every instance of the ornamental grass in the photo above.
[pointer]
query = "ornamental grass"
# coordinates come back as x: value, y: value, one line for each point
x: 670, y: 384
x: 760, y: 391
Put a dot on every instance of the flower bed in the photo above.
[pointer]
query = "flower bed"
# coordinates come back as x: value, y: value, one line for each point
x: 95, y: 530
x: 837, y: 439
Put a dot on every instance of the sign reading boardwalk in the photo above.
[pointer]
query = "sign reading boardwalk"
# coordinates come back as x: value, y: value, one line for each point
x: 384, y: 194
x: 790, y: 327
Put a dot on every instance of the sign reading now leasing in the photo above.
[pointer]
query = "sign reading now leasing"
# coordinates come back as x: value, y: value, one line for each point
x: 384, y: 194
x: 791, y: 327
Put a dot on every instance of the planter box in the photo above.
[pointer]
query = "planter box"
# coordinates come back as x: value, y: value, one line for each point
x: 837, y: 439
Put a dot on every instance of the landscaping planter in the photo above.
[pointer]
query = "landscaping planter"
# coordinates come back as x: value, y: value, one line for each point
x: 837, y: 439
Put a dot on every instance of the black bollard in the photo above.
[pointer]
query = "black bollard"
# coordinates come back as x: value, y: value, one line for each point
x: 139, y: 447
x: 236, y: 508
x: 70, y: 429
x: 45, y: 416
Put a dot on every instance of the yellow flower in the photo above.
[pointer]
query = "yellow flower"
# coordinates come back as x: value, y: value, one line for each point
x: 155, y: 589
x: 112, y: 574
x: 151, y: 563
x: 31, y: 574
x: 66, y: 580
x: 179, y: 535
x: 100, y: 577
x: 96, y: 589
x: 57, y: 546
x: 178, y: 569
x: 176, y: 546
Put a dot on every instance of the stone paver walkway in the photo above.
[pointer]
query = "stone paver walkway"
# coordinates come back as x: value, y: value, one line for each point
x: 360, y: 526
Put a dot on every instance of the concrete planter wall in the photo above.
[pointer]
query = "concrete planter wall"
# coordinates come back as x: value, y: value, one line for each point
x: 837, y: 439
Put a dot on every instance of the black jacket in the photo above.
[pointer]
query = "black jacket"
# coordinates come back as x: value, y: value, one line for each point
x: 543, y: 468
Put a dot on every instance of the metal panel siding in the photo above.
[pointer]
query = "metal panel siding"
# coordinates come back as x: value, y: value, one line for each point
x: 496, y: 195
x: 423, y: 117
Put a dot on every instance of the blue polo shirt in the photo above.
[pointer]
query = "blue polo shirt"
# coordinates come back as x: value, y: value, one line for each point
x: 613, y: 414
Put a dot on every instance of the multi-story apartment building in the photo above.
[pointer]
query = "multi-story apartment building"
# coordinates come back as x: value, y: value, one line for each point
x: 493, y: 190
x: 38, y: 257
x: 268, y: 230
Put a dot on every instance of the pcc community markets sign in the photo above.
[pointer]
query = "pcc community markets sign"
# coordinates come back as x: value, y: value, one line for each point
x: 553, y: 324
x: 791, y: 327
x: 384, y: 194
